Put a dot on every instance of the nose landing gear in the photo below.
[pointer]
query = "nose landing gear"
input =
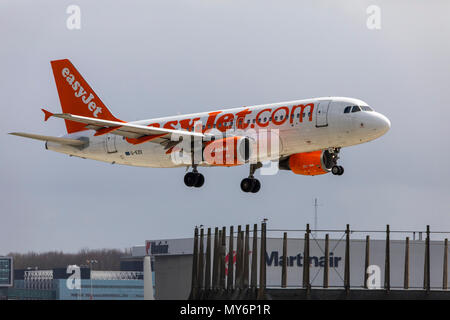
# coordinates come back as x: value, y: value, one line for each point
x: 251, y: 184
x: 337, y: 170
x: 331, y: 156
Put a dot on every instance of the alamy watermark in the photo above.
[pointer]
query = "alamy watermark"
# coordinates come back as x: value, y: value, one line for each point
x: 73, y: 21
x: 374, y: 277
x: 73, y: 282
x: 229, y: 148
x: 374, y: 17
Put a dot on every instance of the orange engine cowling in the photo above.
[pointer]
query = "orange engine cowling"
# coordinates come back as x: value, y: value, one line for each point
x: 231, y: 151
x: 308, y: 163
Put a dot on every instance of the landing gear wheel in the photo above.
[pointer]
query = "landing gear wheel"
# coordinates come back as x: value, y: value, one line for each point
x: 337, y: 170
x: 256, y: 186
x: 190, y: 179
x: 247, y: 184
x: 194, y: 179
x: 250, y: 185
x: 200, y: 180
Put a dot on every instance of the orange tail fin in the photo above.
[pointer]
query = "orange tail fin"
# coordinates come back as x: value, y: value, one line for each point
x: 76, y: 96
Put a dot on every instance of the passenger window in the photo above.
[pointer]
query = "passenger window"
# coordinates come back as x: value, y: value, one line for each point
x: 356, y: 109
x: 347, y: 109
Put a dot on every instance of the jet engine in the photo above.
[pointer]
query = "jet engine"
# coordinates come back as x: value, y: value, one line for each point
x: 309, y: 163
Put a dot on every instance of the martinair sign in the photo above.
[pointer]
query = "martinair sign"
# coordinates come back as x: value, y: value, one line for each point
x: 276, y: 259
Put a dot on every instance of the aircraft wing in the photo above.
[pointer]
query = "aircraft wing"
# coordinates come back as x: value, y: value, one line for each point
x: 136, y: 133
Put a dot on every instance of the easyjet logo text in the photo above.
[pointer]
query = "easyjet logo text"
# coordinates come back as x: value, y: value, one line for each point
x: 80, y: 93
x: 245, y: 119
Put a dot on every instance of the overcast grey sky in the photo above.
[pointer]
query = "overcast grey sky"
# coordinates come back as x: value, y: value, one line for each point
x: 149, y: 59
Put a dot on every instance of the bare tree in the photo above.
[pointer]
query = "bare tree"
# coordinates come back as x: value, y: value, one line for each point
x: 107, y: 259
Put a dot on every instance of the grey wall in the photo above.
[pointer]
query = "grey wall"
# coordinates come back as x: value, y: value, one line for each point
x: 173, y: 277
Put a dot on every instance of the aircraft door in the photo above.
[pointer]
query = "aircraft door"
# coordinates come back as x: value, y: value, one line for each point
x: 111, y: 143
x: 322, y: 113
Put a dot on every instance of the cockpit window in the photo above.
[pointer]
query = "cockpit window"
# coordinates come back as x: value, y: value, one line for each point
x: 366, y: 108
x: 347, y: 109
x: 356, y: 109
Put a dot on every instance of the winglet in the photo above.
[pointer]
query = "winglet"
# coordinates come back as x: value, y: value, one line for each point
x: 48, y: 114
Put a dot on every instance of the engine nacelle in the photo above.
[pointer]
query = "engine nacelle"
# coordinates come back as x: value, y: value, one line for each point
x: 231, y: 151
x: 308, y: 163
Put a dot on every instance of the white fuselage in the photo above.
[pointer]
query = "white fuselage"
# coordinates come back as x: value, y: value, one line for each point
x: 303, y: 126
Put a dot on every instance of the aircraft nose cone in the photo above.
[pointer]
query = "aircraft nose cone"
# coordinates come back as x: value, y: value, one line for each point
x: 385, y: 124
x: 380, y: 123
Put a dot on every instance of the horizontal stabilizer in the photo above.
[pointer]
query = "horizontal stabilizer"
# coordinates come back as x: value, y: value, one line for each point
x: 70, y: 142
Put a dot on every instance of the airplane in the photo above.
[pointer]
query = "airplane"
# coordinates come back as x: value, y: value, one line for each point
x: 306, y: 135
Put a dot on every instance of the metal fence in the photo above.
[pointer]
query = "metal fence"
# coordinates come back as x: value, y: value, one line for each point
x: 220, y: 274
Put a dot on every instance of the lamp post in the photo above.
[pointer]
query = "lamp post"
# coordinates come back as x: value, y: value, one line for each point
x: 91, y: 262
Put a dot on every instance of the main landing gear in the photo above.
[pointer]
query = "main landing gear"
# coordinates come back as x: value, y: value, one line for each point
x: 251, y: 184
x: 194, y: 179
